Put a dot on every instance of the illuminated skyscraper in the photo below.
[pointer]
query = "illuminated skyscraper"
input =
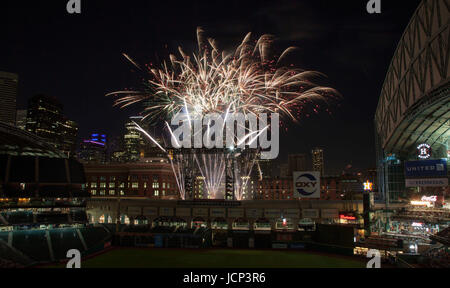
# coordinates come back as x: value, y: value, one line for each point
x: 93, y: 150
x: 45, y: 119
x: 133, y: 143
x: 317, y: 160
x: 9, y: 84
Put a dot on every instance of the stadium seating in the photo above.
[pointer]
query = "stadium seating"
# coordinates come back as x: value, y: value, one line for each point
x: 10, y: 258
x: 35, y: 245
x: 94, y: 235
x: 64, y: 240
x: 4, y: 236
x: 32, y: 243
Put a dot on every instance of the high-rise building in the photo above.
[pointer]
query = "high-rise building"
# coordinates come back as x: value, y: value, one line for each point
x: 133, y: 143
x: 94, y: 150
x: 21, y: 119
x: 9, y: 86
x: 45, y: 118
x: 69, y: 132
x: 296, y: 162
x: 317, y: 160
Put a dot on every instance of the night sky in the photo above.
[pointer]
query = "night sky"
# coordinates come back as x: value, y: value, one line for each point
x: 77, y: 58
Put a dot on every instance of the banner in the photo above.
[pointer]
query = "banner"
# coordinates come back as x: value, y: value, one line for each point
x: 426, y: 169
x: 307, y: 185
x: 426, y: 173
x: 441, y: 182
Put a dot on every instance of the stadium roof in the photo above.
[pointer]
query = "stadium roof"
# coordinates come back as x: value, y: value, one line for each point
x: 414, y: 104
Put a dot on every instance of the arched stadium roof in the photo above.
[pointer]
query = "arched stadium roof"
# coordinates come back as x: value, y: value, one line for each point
x: 414, y: 105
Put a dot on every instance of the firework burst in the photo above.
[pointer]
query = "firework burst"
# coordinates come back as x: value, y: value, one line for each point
x: 248, y: 80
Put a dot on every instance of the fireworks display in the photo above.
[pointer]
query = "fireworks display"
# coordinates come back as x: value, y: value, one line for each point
x: 247, y: 80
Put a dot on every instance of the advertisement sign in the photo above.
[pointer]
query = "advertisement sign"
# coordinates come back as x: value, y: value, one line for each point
x: 426, y: 173
x: 426, y: 169
x: 307, y: 184
x: 440, y: 182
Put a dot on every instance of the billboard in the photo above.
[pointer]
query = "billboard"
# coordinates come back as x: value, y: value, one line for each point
x: 307, y: 184
x: 426, y: 173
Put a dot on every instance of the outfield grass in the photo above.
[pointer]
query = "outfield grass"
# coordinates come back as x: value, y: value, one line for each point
x: 173, y: 258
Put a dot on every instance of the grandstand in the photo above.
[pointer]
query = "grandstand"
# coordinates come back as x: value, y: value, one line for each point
x: 42, y: 203
x: 51, y: 245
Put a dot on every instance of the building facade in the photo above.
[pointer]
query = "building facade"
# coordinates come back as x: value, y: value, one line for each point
x: 150, y: 178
